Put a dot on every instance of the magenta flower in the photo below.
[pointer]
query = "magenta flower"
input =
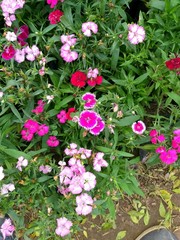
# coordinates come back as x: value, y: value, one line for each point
x: 40, y: 107
x: 63, y: 226
x: 138, y: 127
x: 62, y: 117
x: 27, y: 135
x: 99, y: 127
x: 176, y: 132
x: 90, y: 100
x: 136, y: 33
x: 176, y: 143
x: 160, y: 149
x: 88, y: 119
x: 88, y: 28
x: 52, y: 3
x: 169, y: 156
x: 84, y: 204
x: 52, y: 141
x: 31, y: 125
x: 42, y: 130
x: 7, y: 228
x: 8, y: 52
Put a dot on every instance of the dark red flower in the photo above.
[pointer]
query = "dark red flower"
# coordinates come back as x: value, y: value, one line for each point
x: 23, y: 33
x: 68, y: 114
x: 93, y: 81
x: 173, y: 64
x: 55, y: 16
x: 78, y: 79
x: 9, y: 52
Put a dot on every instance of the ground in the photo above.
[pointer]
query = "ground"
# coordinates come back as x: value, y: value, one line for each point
x: 160, y: 206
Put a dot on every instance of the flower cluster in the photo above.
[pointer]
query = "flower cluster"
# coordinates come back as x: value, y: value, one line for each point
x: 80, y: 79
x: 66, y: 50
x: 9, y: 8
x: 167, y: 156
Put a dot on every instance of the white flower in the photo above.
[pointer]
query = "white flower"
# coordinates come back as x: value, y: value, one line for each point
x: 1, y: 173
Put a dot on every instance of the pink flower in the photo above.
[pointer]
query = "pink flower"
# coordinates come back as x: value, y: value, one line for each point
x: 84, y: 204
x: 52, y: 3
x: 90, y: 100
x: 89, y: 181
x: 138, y: 127
x: 88, y: 119
x: 92, y: 73
x: 153, y: 133
x: 62, y: 116
x: 32, y: 52
x: 63, y: 226
x: 67, y: 54
x: 160, y: 149
x: 99, y: 126
x: 176, y: 132
x: 176, y: 143
x: 7, y: 228
x: 169, y: 156
x: 99, y: 162
x: 87, y: 27
x: 156, y: 137
x: 31, y: 125
x: 22, y: 162
x: 66, y: 175
x: 68, y: 39
x: 42, y: 130
x: 161, y: 138
x: 19, y: 55
x: 75, y: 186
x: 52, y: 141
x: 40, y: 107
x: 27, y: 135
x: 45, y: 169
x: 136, y: 33
x: 8, y: 52
x: 6, y: 188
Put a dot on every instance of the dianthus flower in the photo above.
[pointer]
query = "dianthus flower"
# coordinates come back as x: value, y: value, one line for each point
x: 136, y: 33
x: 1, y: 173
x: 22, y: 34
x: 19, y: 55
x: 63, y: 226
x: 88, y: 119
x: 66, y: 175
x: 8, y: 52
x: 11, y: 36
x: 68, y: 114
x: 78, y: 79
x: 31, y: 125
x: 176, y: 143
x: 52, y: 3
x: 55, y: 16
x: 156, y: 137
x: 173, y: 64
x: 45, y: 169
x: 32, y: 52
x: 22, y: 162
x: 27, y: 135
x: 169, y: 157
x: 62, y: 117
x: 68, y: 39
x: 84, y: 204
x: 99, y: 162
x: 67, y: 54
x: 40, y: 107
x: 138, y: 127
x: 88, y: 180
x: 7, y: 228
x: 92, y: 73
x: 95, y: 81
x: 6, y: 188
x: 42, y: 130
x: 99, y: 126
x: 52, y: 141
x: 87, y: 27
x: 90, y: 100
x: 75, y: 185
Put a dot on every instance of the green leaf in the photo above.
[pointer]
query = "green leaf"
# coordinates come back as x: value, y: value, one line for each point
x: 157, y: 4
x: 104, y: 149
x: 14, y: 153
x: 141, y: 78
x: 162, y: 210
x: 115, y: 57
x: 48, y: 29
x: 121, y: 235
x: 64, y: 102
x: 146, y: 218
x: 16, y: 113
x: 111, y: 208
x: 127, y: 121
x: 174, y: 97
x: 44, y: 179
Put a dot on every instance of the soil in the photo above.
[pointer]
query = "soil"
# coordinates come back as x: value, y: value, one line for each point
x: 152, y: 181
